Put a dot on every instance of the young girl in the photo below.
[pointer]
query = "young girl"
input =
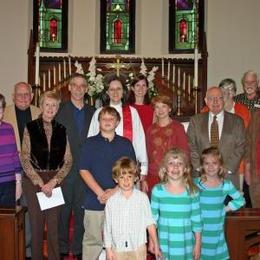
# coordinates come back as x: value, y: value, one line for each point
x: 213, y: 191
x: 176, y: 209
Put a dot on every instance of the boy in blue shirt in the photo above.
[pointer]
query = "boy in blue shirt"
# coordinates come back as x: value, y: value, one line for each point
x: 98, y: 155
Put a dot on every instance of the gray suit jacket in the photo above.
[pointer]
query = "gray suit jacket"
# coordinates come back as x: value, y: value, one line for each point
x: 232, y: 143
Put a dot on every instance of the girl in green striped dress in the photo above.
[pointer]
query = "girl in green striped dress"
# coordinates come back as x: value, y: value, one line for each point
x: 213, y: 191
x: 176, y: 209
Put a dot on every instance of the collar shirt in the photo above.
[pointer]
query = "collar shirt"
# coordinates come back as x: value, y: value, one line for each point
x: 126, y: 221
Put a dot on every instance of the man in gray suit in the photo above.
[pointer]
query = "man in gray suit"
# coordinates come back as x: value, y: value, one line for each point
x: 231, y: 132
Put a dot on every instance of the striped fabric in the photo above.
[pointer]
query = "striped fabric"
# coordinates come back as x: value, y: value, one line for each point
x: 126, y: 221
x: 177, y: 217
x: 9, y: 159
x: 213, y: 216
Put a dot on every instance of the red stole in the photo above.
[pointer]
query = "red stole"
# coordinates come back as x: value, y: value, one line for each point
x: 127, y: 123
x: 257, y: 153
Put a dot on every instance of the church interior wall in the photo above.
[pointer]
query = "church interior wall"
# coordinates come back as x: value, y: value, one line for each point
x: 232, y: 28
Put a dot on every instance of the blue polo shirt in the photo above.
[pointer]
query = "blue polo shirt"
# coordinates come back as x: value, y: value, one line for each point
x: 98, y: 156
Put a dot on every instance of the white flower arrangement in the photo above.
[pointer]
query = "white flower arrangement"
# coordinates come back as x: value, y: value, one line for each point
x: 95, y: 80
x: 152, y: 91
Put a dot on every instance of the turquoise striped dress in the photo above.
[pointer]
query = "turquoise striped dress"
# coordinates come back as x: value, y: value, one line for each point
x: 212, y: 206
x: 177, y: 217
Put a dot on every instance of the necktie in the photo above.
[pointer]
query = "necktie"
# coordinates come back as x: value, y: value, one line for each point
x: 214, y: 132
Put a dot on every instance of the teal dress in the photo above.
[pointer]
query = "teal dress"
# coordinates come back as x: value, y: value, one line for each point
x: 177, y: 217
x: 212, y: 206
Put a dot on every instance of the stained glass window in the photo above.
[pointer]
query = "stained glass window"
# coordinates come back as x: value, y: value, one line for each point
x: 117, y: 26
x: 50, y: 24
x: 185, y: 24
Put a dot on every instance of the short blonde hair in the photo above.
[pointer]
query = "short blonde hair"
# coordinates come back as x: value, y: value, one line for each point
x: 49, y: 94
x: 124, y: 166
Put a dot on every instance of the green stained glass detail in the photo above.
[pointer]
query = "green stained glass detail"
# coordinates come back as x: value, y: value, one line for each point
x: 117, y: 25
x: 186, y: 33
x: 50, y: 24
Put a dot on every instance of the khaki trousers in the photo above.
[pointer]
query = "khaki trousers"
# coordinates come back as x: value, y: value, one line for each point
x: 92, y: 243
x: 139, y: 254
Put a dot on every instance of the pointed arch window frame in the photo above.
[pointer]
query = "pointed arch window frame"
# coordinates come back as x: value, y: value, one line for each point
x: 103, y: 29
x: 172, y: 28
x: 64, y: 39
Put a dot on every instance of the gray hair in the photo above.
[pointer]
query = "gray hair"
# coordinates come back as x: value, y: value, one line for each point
x: 228, y: 82
x: 249, y: 72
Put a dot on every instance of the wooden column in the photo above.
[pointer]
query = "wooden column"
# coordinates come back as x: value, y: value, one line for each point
x: 12, y: 246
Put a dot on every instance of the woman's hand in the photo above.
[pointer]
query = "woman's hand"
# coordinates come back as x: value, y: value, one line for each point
x: 48, y: 187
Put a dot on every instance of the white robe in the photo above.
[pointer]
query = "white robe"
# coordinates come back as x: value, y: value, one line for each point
x: 138, y: 141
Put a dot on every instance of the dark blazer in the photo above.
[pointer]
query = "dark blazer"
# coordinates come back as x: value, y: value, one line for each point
x: 65, y: 117
x: 232, y: 143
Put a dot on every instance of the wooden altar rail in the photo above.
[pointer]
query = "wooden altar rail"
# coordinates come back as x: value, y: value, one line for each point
x: 242, y: 232
x: 179, y: 86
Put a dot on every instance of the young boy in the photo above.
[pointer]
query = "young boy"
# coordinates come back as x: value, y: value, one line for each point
x: 127, y: 216
x: 98, y: 154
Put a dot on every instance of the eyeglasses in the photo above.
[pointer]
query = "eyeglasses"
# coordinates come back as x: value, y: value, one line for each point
x: 115, y: 89
x: 211, y: 99
x: 23, y: 95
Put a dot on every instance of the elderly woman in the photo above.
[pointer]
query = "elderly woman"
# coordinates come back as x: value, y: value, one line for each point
x: 163, y: 135
x: 46, y: 160
x: 229, y: 89
x: 10, y: 167
x: 138, y: 97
